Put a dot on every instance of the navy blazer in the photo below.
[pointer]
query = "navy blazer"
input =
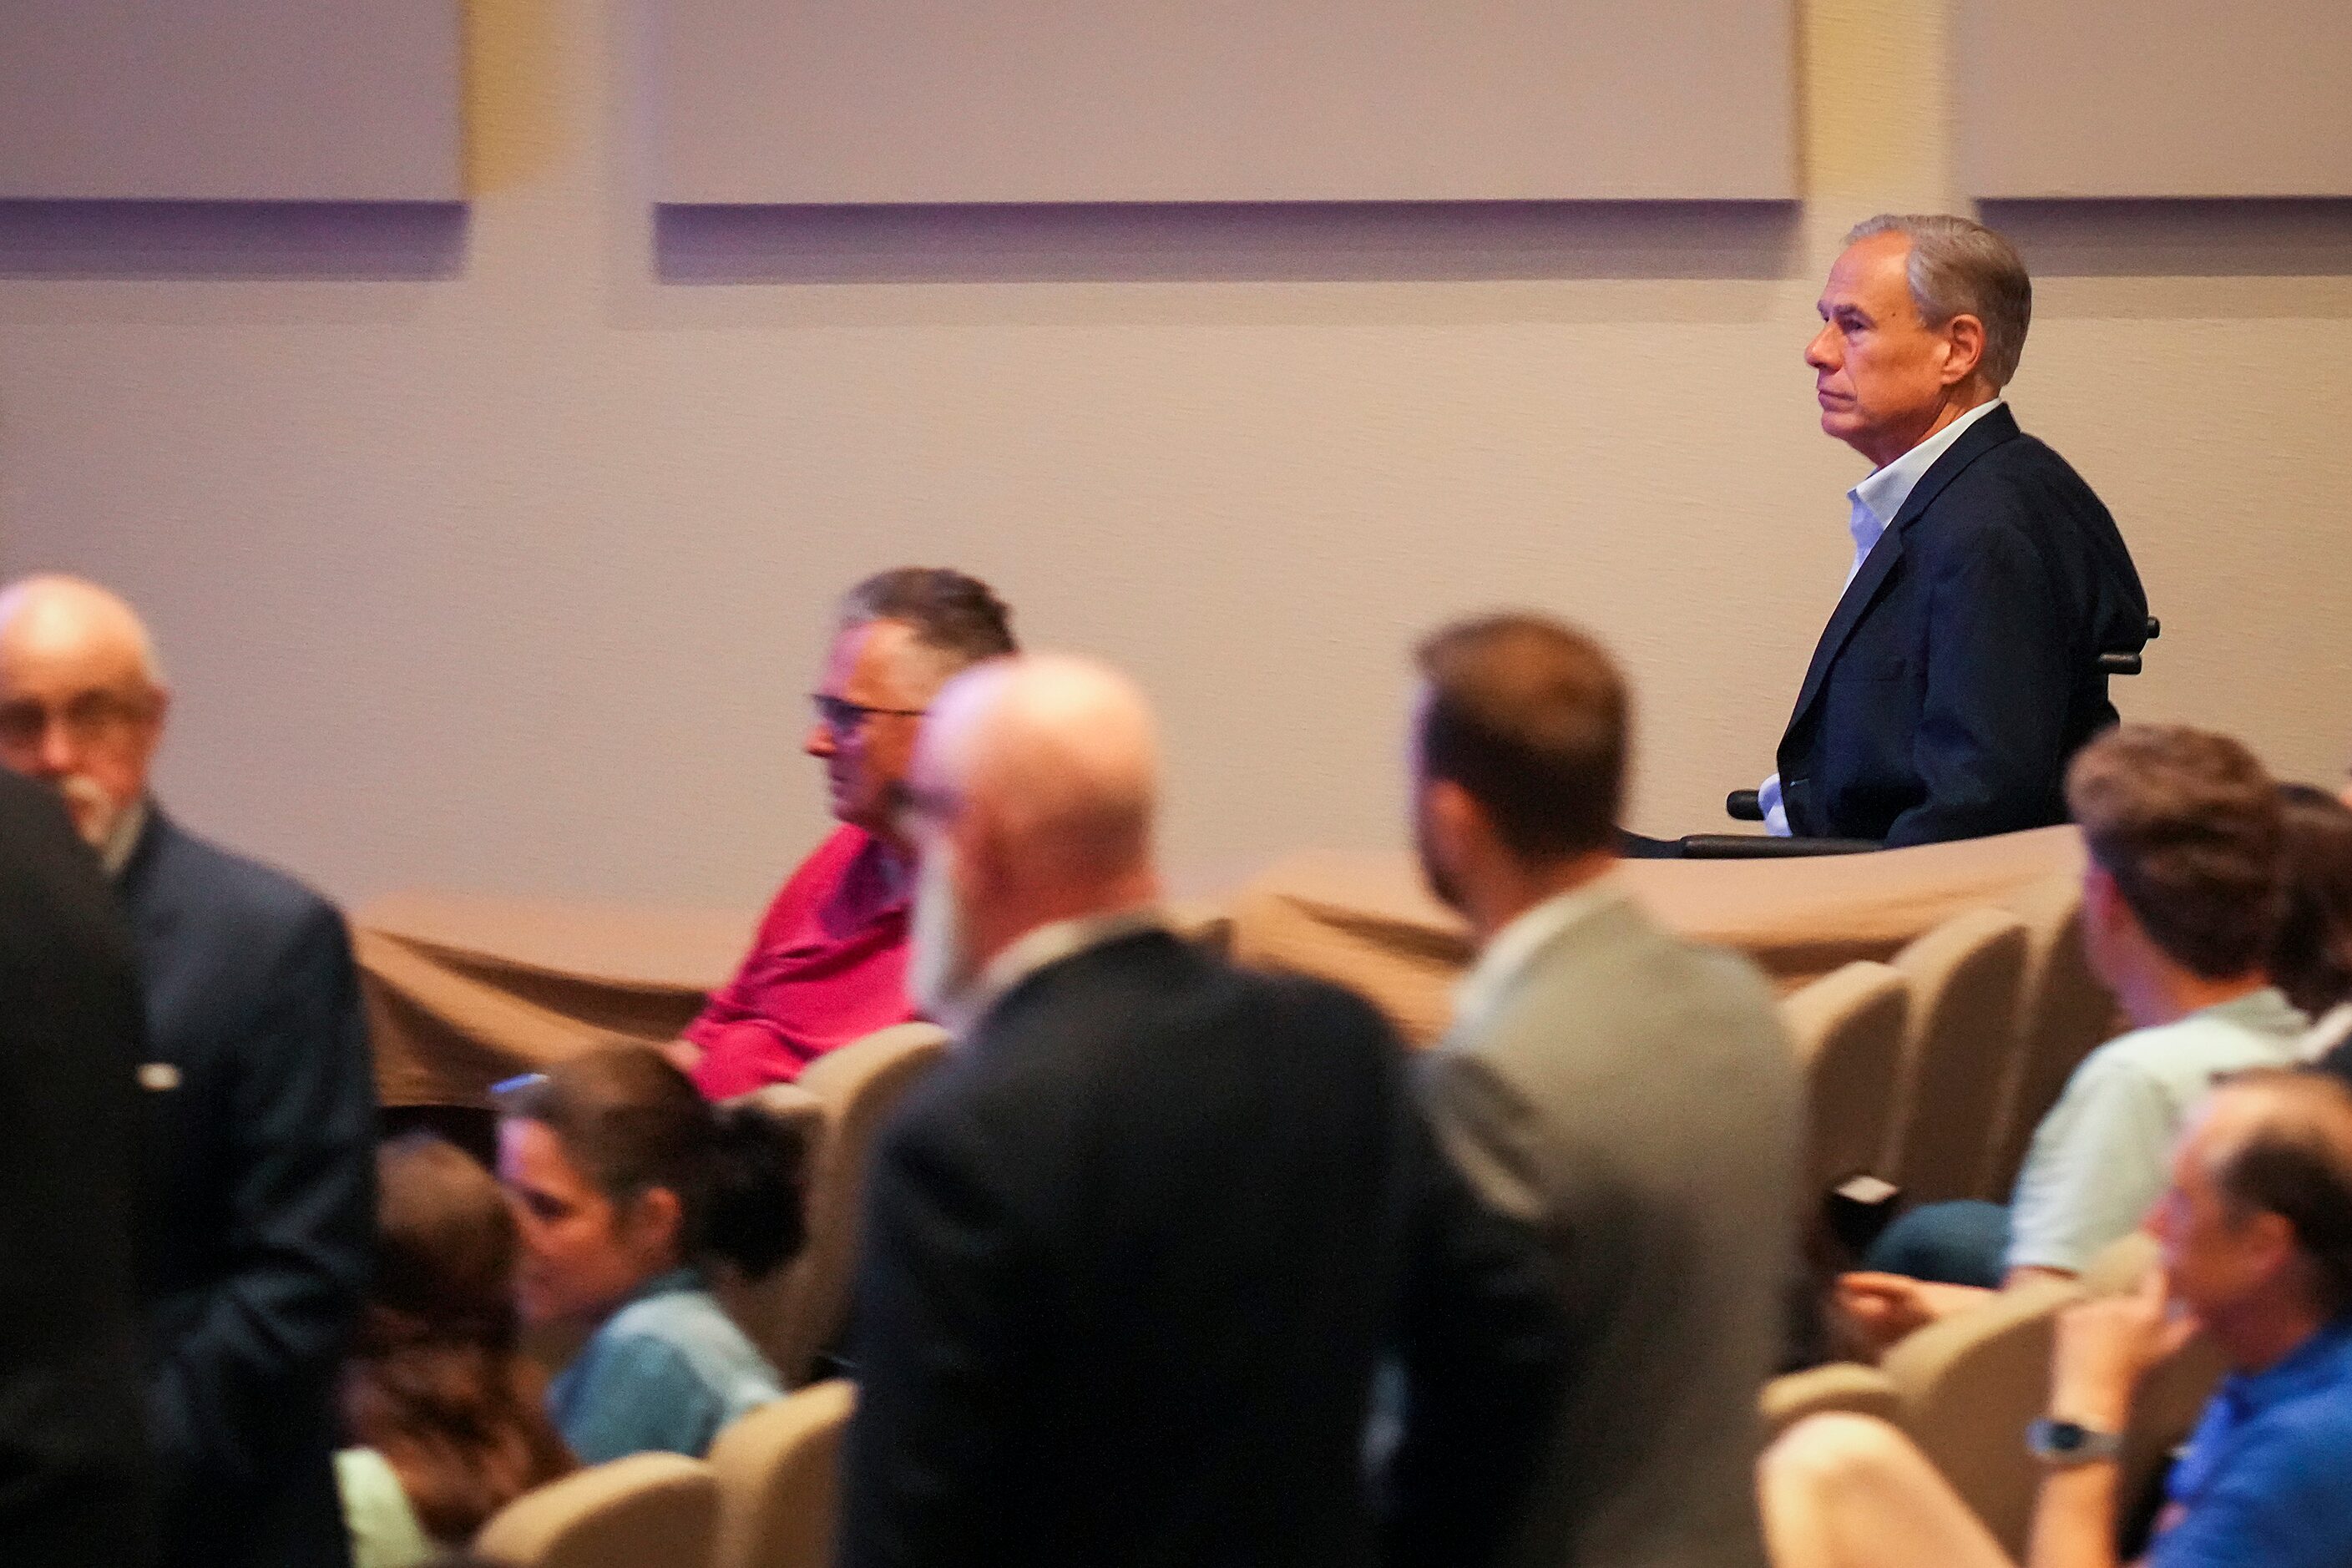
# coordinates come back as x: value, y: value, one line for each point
x: 1130, y: 1259
x: 72, y: 1451
x: 261, y: 1206
x: 1960, y: 671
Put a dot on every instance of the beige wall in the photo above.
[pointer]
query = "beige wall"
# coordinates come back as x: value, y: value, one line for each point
x: 511, y: 579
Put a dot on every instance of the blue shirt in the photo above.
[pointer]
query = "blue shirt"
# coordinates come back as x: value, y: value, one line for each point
x: 666, y: 1372
x: 2268, y: 1477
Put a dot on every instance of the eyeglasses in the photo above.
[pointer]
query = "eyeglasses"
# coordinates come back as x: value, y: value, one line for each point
x: 844, y: 717
x: 90, y: 717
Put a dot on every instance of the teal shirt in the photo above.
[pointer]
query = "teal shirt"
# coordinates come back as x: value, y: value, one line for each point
x: 666, y: 1372
x: 2102, y: 1155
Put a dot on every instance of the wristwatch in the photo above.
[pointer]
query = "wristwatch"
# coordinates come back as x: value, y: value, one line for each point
x: 2062, y: 1445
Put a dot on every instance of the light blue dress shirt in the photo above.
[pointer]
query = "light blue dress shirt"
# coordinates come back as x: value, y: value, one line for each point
x: 664, y: 1373
x: 1872, y: 506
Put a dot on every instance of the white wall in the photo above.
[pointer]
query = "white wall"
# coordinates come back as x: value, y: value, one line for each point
x: 510, y: 578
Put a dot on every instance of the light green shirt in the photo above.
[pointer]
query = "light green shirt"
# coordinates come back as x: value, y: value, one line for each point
x: 2102, y: 1155
x: 383, y: 1529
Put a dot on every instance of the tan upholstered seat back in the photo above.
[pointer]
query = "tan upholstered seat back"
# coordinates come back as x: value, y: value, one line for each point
x: 1847, y: 1027
x: 1840, y: 1385
x: 1969, y: 1384
x: 2064, y: 1012
x: 796, y: 1311
x: 1961, y: 1041
x: 647, y: 1510
x: 776, y: 1470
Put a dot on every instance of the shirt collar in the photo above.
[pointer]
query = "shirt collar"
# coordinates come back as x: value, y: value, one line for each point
x: 2321, y: 1360
x: 2266, y: 1010
x: 1512, y: 949
x: 124, y: 837
x: 1040, y: 950
x: 1877, y: 500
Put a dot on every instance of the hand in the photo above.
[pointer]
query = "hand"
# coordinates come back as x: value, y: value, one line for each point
x: 1881, y: 1308
x: 683, y: 1055
x: 2107, y: 1345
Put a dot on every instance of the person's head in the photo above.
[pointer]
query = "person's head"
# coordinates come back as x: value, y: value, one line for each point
x: 1922, y: 313
x: 2256, y: 1226
x: 435, y: 1382
x: 1031, y: 799
x: 82, y: 698
x: 2185, y: 839
x: 1520, y: 735
x: 619, y: 1170
x: 2311, y: 957
x: 898, y: 636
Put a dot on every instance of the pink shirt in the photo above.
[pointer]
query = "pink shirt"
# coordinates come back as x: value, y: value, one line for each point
x: 829, y: 965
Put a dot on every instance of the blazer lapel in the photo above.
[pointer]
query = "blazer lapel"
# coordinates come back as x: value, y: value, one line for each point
x: 1987, y: 433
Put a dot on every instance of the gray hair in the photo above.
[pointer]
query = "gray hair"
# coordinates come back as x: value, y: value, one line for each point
x: 1959, y: 268
x: 957, y: 619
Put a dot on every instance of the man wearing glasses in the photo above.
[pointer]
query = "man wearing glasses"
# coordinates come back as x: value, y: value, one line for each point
x: 257, y: 1126
x: 829, y: 963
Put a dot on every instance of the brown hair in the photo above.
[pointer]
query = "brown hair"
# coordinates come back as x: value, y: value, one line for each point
x: 434, y: 1382
x: 2190, y: 826
x: 2296, y: 1163
x: 2311, y: 958
x: 631, y: 1121
x: 1530, y: 716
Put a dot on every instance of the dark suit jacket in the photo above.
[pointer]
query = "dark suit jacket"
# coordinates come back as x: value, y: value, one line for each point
x: 1130, y: 1259
x: 72, y: 1456
x: 262, y: 1160
x: 1960, y: 671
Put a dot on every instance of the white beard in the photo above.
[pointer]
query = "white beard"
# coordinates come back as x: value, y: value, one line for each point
x: 95, y: 813
x: 939, y: 958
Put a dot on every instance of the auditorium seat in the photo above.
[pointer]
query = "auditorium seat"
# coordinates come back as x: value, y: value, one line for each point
x: 2064, y: 1011
x: 1958, y: 1049
x: 1969, y: 1384
x: 1848, y: 1029
x: 796, y: 1313
x: 776, y: 1470
x: 1841, y: 1385
x: 648, y: 1508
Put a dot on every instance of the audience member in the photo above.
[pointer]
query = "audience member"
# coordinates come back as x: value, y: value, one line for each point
x: 1961, y: 669
x: 2312, y: 958
x: 1132, y: 1255
x: 2256, y: 1231
x: 829, y: 963
x: 441, y: 1405
x: 261, y: 1108
x: 73, y: 1472
x: 1628, y: 1095
x: 2181, y: 897
x: 628, y: 1188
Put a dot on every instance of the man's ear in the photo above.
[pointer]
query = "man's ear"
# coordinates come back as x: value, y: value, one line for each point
x: 1964, y: 341
x: 1456, y: 823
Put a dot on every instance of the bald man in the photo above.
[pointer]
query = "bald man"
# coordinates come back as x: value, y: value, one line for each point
x: 1131, y: 1256
x: 2257, y: 1236
x: 259, y: 1106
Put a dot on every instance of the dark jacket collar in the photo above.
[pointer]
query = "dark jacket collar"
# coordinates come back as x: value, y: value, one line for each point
x: 1992, y: 431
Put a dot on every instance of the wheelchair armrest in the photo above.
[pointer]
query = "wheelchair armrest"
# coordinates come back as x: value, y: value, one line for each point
x: 1763, y: 847
x: 1743, y: 805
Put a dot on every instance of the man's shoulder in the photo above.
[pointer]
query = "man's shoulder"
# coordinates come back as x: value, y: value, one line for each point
x: 1617, y: 976
x: 178, y: 862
